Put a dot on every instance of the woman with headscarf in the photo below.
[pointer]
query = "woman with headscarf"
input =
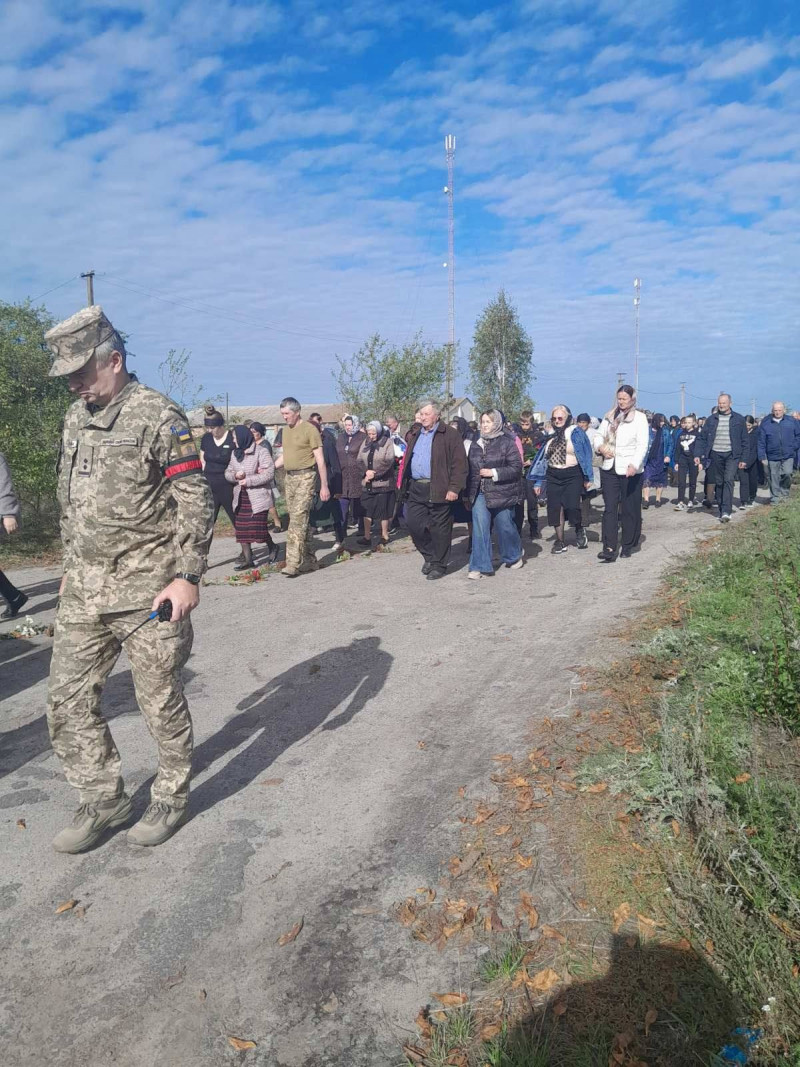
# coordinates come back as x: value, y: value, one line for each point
x: 659, y: 459
x: 216, y: 447
x: 564, y: 463
x: 348, y: 445
x: 251, y: 472
x: 259, y: 432
x: 494, y: 487
x: 623, y: 441
x: 378, y: 497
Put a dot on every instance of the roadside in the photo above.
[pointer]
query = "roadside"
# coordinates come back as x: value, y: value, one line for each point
x: 337, y: 719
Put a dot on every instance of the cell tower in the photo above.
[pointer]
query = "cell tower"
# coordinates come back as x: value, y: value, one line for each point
x: 637, y: 298
x: 450, y: 365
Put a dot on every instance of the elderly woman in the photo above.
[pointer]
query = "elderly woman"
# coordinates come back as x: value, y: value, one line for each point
x: 378, y: 497
x: 565, y: 464
x: 348, y: 446
x: 259, y: 432
x: 251, y: 470
x: 623, y: 441
x: 494, y: 488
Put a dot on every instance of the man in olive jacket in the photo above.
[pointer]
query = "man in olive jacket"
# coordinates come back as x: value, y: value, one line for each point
x: 434, y: 474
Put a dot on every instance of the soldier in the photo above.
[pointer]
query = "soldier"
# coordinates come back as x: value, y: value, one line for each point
x: 136, y: 526
x: 304, y: 463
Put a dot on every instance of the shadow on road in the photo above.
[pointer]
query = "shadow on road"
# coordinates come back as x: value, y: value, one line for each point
x: 657, y: 1004
x: 285, y: 710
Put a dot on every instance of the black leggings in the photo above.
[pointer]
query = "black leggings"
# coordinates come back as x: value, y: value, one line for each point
x: 621, y: 495
x: 686, y: 469
x: 748, y: 483
x: 222, y: 494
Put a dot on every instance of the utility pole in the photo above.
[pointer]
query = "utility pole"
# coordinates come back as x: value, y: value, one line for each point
x: 620, y: 379
x: 450, y: 365
x: 89, y: 276
x: 637, y: 296
x: 753, y: 402
x: 683, y: 399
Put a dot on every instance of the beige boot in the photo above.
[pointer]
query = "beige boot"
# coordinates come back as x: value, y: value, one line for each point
x: 91, y: 822
x: 158, y: 823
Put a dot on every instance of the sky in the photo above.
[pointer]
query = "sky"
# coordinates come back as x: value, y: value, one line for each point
x: 263, y: 185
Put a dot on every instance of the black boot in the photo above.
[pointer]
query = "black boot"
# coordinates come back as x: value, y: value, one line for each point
x: 246, y: 560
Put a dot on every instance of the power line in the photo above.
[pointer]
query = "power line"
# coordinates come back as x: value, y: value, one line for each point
x: 61, y: 286
x: 213, y: 311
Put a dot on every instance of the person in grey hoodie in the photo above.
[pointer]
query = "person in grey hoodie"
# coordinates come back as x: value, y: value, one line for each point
x: 9, y: 511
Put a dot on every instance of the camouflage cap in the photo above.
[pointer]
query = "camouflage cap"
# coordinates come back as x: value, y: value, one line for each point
x: 73, y: 341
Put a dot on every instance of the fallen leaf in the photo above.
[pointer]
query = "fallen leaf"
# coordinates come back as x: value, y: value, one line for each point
x: 21, y: 824
x: 519, y: 782
x: 503, y: 757
x: 451, y: 1000
x: 368, y: 909
x: 201, y: 994
x: 421, y: 744
x: 407, y: 912
x: 423, y: 1023
x: 621, y: 916
x: 490, y: 1030
x: 290, y: 935
x: 531, y: 914
x: 330, y: 1005
x: 524, y: 861
x: 502, y: 830
x: 598, y: 787
x: 647, y: 927
x: 709, y: 946
x: 457, y: 1059
x: 454, y: 866
x: 439, y: 1016
x: 796, y: 970
x: 543, y: 981
x: 80, y: 912
x: 559, y: 1008
x: 516, y: 842
x: 582, y: 904
x: 172, y: 979
x: 424, y: 891
x: 684, y: 945
x: 68, y: 905
x: 554, y: 935
x: 740, y: 779
x: 462, y: 792
x: 676, y: 828
x: 414, y: 1053
x: 271, y: 781
x: 568, y: 787
x: 482, y: 814
x: 649, y: 1019
x: 240, y: 1045
x: 493, y: 884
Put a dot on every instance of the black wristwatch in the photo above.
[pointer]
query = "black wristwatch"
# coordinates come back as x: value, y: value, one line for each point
x: 193, y: 578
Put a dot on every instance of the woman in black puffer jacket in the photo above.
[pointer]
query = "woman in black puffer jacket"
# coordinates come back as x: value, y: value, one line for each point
x: 494, y: 488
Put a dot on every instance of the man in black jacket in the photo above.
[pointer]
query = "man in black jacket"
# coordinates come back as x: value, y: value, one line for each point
x: 722, y: 447
x: 434, y: 473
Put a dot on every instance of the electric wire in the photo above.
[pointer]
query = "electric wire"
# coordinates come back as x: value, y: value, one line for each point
x: 41, y: 296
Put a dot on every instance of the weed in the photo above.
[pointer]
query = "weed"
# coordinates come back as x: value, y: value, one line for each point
x: 504, y: 961
x: 450, y: 1035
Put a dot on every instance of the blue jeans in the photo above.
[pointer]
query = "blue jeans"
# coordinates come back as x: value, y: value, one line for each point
x: 508, y: 542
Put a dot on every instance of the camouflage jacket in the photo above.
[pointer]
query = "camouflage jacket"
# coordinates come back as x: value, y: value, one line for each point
x: 135, y: 505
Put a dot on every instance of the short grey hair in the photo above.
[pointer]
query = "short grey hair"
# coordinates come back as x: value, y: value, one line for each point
x: 435, y: 404
x: 112, y: 343
x: 726, y: 394
x: 290, y: 404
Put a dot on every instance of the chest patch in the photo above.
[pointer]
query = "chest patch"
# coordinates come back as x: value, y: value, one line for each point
x: 84, y: 460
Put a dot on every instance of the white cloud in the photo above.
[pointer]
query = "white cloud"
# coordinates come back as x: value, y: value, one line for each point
x: 742, y: 61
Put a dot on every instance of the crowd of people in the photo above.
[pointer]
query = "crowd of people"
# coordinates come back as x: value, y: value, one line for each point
x: 492, y: 475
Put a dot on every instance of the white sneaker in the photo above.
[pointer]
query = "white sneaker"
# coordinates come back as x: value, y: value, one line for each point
x: 337, y: 546
x: 724, y: 518
x: 680, y: 507
x: 516, y: 565
x: 690, y: 506
x: 474, y: 575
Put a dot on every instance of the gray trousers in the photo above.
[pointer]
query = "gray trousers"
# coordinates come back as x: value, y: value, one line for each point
x: 780, y: 478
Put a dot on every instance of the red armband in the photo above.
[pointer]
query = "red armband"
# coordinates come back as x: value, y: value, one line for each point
x: 182, y: 467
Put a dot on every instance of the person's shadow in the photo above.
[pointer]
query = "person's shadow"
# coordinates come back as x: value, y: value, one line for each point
x: 284, y: 711
x: 657, y: 1004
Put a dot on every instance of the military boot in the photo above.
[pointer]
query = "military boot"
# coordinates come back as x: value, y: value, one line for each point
x: 158, y: 823
x: 91, y: 822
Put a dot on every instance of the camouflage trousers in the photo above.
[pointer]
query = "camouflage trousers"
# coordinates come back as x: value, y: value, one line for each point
x: 85, y: 648
x: 300, y: 490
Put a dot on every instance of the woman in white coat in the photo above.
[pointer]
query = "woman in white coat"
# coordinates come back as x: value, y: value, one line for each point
x: 622, y: 441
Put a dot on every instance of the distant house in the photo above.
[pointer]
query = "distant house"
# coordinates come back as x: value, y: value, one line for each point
x: 460, y: 406
x: 269, y: 414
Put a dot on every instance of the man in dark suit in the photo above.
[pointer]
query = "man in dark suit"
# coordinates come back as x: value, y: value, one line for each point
x: 721, y: 447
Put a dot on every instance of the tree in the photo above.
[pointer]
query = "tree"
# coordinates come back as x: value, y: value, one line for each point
x: 500, y: 359
x: 32, y: 408
x: 177, y: 382
x: 381, y: 379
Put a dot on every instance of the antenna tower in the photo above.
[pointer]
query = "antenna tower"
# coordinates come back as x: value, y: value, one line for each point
x: 637, y: 297
x: 450, y: 365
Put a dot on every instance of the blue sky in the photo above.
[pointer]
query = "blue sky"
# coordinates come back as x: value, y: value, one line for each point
x: 263, y: 184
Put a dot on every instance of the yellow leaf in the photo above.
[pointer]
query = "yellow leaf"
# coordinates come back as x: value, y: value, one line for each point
x: 519, y: 782
x: 554, y: 935
x: 647, y: 927
x: 239, y: 1044
x: 482, y: 814
x: 462, y: 792
x: 543, y: 981
x: 21, y: 824
x: 649, y: 1019
x: 502, y: 830
x: 531, y: 914
x: 568, y: 787
x: 503, y: 757
x: 68, y: 905
x: 524, y: 861
x: 621, y: 916
x: 451, y: 1000
x: 422, y: 744
x: 710, y: 947
x: 740, y: 779
x: 676, y: 828
x: 290, y: 935
x: 490, y: 1030
x: 598, y: 787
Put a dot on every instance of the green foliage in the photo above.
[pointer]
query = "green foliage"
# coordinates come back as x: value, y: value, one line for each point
x: 382, y: 379
x: 500, y: 359
x: 32, y: 409
x: 504, y: 961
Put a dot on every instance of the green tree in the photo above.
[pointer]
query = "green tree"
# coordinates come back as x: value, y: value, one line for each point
x: 32, y: 408
x: 382, y: 379
x: 500, y: 359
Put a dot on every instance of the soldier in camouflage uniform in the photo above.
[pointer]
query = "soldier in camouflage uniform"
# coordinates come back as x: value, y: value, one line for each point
x: 136, y: 518
x: 306, y: 473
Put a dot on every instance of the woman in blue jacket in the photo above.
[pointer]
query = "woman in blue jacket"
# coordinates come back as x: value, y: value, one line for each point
x: 565, y: 463
x: 659, y: 459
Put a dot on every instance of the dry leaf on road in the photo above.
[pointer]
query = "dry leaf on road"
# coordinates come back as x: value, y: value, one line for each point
x: 709, y: 946
x: 290, y: 935
x: 647, y: 927
x: 502, y: 830
x: 543, y: 981
x: 482, y: 814
x: 553, y: 934
x: 489, y: 1031
x: 240, y: 1044
x: 21, y: 824
x: 271, y: 781
x: 423, y: 1023
x: 524, y: 861
x: 451, y: 1000
x: 598, y: 787
x: 531, y: 914
x: 676, y: 828
x: 649, y: 1019
x: 740, y: 779
x: 503, y: 757
x: 414, y: 1053
x: 559, y: 1008
x: 68, y: 905
x: 621, y: 916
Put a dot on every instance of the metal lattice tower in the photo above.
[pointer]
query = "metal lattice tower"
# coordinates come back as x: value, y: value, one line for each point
x: 450, y: 366
x: 637, y: 298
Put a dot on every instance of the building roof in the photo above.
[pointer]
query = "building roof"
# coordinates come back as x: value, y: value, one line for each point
x: 269, y: 414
